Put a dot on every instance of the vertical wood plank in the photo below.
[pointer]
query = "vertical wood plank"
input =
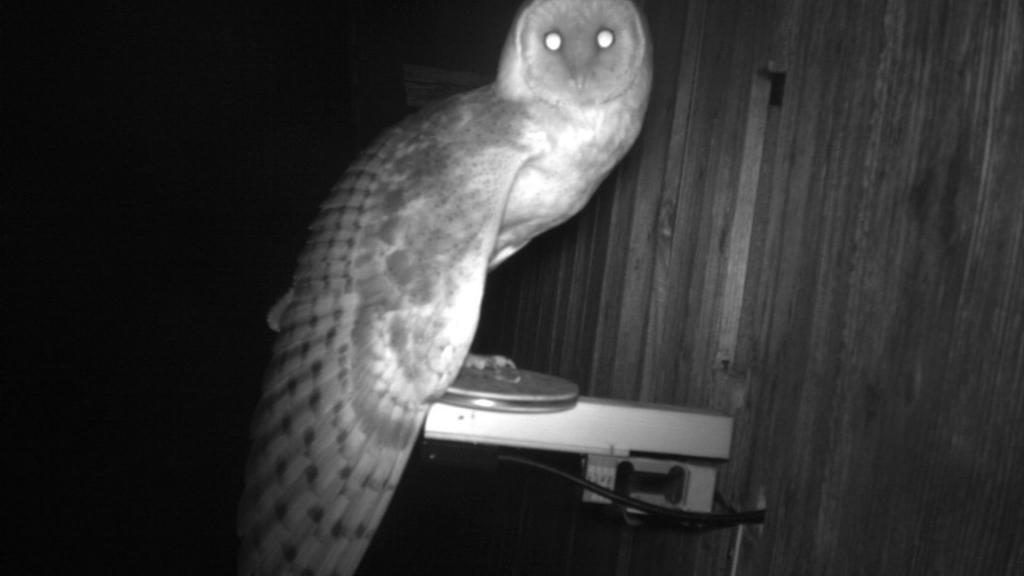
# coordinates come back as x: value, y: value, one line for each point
x: 742, y: 225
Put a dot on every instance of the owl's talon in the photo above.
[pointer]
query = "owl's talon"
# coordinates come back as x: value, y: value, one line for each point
x: 493, y: 366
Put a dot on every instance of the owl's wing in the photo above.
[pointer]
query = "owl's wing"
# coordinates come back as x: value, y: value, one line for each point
x: 377, y: 323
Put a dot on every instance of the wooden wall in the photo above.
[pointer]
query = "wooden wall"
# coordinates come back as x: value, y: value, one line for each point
x: 837, y: 259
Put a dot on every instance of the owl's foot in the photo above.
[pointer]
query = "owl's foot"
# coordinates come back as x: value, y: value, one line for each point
x: 493, y: 366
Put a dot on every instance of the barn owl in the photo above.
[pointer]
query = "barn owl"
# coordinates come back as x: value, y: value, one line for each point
x: 385, y: 300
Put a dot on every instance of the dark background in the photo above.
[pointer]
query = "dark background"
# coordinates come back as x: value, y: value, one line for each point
x: 163, y: 162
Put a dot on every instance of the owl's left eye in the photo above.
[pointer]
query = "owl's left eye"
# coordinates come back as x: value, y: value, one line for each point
x: 553, y: 41
x: 605, y: 38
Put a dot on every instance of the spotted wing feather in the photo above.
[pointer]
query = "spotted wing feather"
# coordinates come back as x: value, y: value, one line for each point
x: 378, y: 321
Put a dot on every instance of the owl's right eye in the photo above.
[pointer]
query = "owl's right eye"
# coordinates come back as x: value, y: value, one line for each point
x: 553, y: 41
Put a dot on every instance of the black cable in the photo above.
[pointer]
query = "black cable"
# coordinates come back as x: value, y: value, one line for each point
x: 723, y: 502
x: 703, y: 520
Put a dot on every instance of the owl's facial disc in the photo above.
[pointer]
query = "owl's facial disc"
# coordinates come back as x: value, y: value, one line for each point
x: 580, y: 51
x: 575, y: 51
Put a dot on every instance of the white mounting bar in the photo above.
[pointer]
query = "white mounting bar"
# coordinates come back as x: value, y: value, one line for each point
x: 592, y: 426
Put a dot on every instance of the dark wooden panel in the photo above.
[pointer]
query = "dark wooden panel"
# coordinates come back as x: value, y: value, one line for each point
x: 888, y: 407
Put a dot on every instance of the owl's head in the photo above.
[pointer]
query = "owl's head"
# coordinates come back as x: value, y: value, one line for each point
x: 575, y: 52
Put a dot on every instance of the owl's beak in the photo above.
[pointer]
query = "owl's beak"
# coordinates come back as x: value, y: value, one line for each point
x: 579, y: 78
x: 580, y: 62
